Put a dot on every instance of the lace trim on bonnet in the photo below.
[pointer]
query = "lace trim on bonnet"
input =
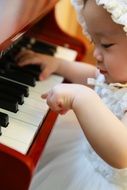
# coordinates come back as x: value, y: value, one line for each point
x: 117, y: 8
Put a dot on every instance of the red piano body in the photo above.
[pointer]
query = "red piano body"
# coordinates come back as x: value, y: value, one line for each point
x: 35, y: 18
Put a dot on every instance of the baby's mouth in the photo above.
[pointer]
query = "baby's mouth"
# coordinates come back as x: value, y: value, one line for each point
x: 103, y: 72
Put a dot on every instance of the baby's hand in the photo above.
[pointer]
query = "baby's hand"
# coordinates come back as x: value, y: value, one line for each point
x: 48, y: 64
x: 61, y: 97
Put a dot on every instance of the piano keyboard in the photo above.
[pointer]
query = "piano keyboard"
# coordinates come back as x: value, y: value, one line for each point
x: 24, y: 124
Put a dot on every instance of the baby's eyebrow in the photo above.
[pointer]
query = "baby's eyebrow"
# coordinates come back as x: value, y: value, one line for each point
x: 108, y: 33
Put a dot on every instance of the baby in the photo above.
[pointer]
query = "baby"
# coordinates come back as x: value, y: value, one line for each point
x: 98, y: 97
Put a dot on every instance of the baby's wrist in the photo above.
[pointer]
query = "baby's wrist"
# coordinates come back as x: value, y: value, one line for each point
x: 83, y: 98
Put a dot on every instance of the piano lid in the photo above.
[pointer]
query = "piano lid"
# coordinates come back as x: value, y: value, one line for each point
x: 17, y: 16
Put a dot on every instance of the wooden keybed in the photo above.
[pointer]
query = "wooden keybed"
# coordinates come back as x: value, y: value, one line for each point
x: 16, y: 169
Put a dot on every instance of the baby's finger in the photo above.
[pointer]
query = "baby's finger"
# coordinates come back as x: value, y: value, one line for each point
x: 22, y: 53
x: 28, y: 61
x: 62, y: 112
x: 46, y: 72
x: 44, y: 96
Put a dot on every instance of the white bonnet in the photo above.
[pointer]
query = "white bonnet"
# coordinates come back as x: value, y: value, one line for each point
x: 117, y: 8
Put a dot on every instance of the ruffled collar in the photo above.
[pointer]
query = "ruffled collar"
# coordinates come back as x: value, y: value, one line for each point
x: 100, y: 81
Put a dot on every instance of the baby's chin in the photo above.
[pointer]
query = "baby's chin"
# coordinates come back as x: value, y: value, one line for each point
x: 109, y: 80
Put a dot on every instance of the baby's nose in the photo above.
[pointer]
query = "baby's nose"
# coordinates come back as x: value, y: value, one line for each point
x: 98, y: 55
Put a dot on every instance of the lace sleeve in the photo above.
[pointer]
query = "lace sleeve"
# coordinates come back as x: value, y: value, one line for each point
x: 120, y: 177
x: 124, y: 103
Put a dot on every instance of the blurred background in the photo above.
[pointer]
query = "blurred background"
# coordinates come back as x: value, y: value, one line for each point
x: 66, y: 18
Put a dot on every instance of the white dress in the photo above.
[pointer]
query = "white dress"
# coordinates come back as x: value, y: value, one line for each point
x: 70, y: 163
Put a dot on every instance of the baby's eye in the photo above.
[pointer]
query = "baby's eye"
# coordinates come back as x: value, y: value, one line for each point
x: 106, y: 45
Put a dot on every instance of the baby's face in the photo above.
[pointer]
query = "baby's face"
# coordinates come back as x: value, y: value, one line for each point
x: 110, y: 42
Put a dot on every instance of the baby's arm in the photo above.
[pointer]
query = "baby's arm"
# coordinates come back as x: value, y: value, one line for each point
x: 106, y: 133
x: 76, y: 72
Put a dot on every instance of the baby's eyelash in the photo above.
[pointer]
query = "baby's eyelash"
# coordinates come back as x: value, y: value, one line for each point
x: 104, y: 45
x: 107, y: 45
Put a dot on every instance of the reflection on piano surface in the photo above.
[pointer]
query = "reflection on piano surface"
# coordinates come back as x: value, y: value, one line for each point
x: 25, y: 118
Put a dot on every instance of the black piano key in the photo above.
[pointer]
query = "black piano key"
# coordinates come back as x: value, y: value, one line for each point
x: 42, y: 47
x: 8, y: 63
x: 4, y: 119
x: 19, y: 87
x: 9, y: 91
x: 9, y: 105
x: 26, y: 75
x: 10, y: 96
x: 37, y: 48
x: 23, y: 42
x: 33, y: 70
x: 19, y: 76
x: 4, y: 64
x: 44, y: 44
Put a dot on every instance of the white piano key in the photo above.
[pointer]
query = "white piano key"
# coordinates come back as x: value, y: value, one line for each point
x: 47, y: 84
x: 27, y: 118
x: 12, y: 143
x: 16, y: 128
x: 25, y: 123
x: 35, y: 104
x: 19, y: 131
x: 28, y: 109
x: 65, y: 53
